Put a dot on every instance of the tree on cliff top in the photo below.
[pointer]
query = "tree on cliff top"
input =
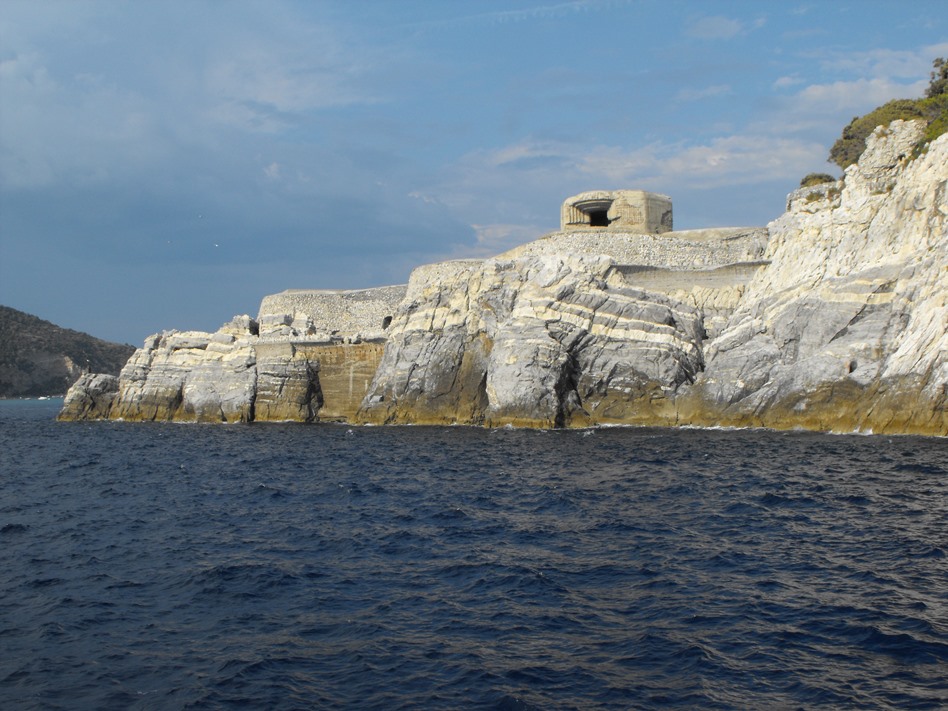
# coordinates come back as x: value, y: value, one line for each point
x: 939, y: 79
x: 933, y: 109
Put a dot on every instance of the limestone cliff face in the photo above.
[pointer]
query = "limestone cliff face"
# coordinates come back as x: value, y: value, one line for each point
x: 542, y: 341
x: 848, y: 326
x: 231, y: 375
x: 832, y: 318
x: 177, y: 375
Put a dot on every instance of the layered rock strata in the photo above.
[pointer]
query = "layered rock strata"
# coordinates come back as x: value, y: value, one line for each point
x: 847, y: 329
x: 539, y: 341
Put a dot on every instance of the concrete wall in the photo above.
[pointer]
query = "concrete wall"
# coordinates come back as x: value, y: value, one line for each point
x: 686, y: 250
x: 627, y: 210
x: 345, y: 372
x: 306, y: 381
x: 324, y: 315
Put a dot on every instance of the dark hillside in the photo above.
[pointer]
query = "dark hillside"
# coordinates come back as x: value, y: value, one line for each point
x: 40, y: 358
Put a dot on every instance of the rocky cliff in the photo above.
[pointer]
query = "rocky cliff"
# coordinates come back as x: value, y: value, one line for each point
x: 832, y: 318
x: 847, y: 329
x: 39, y: 358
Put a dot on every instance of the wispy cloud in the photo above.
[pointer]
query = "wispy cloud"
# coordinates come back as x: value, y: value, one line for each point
x: 889, y: 63
x: 263, y: 87
x: 787, y: 81
x: 718, y: 27
x: 537, y: 12
x: 859, y: 95
x: 708, y: 92
x: 728, y: 160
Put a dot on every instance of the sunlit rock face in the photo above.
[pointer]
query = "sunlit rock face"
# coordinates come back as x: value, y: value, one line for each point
x: 847, y: 328
x: 191, y: 376
x: 544, y: 341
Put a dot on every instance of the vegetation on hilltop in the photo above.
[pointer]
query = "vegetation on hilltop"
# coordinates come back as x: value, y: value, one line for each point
x: 933, y: 109
x: 40, y: 358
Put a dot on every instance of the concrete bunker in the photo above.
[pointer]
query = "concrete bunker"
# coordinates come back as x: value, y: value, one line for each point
x: 620, y: 210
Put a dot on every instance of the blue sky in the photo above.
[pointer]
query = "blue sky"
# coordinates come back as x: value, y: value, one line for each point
x: 166, y: 164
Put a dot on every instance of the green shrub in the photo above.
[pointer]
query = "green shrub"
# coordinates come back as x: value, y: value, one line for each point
x: 939, y: 79
x: 933, y: 109
x: 816, y: 179
x: 852, y: 143
x: 830, y: 195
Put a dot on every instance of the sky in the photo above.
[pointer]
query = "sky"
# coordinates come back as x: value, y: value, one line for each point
x: 167, y: 164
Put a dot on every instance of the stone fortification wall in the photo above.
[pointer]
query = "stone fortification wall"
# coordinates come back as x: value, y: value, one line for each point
x: 345, y: 373
x: 328, y: 316
x: 684, y: 250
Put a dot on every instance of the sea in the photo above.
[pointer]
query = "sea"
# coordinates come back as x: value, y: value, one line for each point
x: 290, y: 566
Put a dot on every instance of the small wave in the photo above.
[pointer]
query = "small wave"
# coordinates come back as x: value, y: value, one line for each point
x: 918, y: 468
x: 241, y: 579
x: 772, y: 500
x: 904, y: 647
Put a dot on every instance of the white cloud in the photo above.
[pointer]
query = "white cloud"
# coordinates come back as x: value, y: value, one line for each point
x: 858, y: 96
x: 884, y: 63
x: 261, y: 87
x: 786, y: 82
x: 707, y: 93
x: 427, y: 199
x: 728, y: 160
x: 494, y: 239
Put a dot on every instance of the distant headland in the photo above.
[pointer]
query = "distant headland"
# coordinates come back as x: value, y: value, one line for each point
x: 39, y: 358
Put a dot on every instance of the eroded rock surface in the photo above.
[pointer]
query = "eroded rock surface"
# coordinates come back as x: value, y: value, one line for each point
x: 543, y: 341
x: 848, y: 326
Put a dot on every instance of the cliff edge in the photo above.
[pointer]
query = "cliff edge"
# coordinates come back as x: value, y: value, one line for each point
x: 847, y: 328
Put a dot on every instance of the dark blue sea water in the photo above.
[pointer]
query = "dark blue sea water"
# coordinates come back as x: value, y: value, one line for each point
x: 162, y: 566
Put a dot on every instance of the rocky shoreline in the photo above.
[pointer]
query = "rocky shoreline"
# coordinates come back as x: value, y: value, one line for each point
x: 832, y: 318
